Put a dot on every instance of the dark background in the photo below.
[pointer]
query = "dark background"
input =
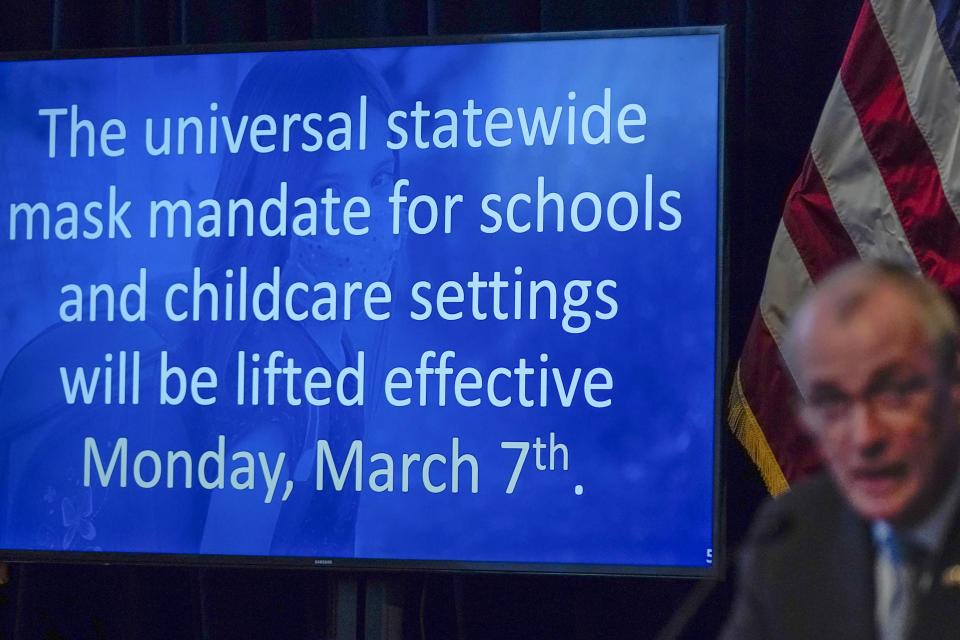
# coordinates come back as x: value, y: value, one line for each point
x: 782, y: 58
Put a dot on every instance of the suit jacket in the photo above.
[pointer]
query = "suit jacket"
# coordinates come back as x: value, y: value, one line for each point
x: 807, y: 571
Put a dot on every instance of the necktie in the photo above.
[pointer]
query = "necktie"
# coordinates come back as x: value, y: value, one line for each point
x: 899, y: 563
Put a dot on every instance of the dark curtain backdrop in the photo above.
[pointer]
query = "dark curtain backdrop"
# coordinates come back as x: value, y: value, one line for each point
x: 782, y: 57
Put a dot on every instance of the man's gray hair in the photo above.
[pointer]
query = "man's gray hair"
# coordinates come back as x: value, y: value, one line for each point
x: 852, y: 282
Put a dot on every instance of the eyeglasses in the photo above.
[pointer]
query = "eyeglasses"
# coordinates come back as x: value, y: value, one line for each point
x: 890, y: 399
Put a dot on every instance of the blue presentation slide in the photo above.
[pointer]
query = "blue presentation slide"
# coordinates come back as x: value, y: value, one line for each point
x: 432, y: 303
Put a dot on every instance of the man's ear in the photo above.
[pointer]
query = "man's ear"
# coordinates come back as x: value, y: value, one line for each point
x: 953, y: 398
x: 953, y: 401
x: 800, y: 413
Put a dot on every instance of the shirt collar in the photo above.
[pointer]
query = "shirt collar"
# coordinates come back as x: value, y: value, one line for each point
x: 930, y: 533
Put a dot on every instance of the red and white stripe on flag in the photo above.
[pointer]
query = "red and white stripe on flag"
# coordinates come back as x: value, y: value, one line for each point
x: 881, y: 179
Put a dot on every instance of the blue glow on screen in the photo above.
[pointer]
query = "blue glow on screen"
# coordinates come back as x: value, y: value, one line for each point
x: 416, y: 189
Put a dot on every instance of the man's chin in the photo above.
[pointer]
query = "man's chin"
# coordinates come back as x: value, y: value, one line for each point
x: 881, y: 499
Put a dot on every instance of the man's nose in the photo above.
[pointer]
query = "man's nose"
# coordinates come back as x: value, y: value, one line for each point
x: 867, y: 430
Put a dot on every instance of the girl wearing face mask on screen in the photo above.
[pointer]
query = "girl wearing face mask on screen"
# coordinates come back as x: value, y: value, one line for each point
x: 308, y: 522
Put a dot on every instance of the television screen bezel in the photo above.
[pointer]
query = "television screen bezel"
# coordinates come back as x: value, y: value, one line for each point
x: 713, y: 571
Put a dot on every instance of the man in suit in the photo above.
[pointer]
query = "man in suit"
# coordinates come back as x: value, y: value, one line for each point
x: 870, y: 549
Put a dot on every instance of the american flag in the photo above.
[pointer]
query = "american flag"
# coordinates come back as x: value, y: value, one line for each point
x: 881, y: 179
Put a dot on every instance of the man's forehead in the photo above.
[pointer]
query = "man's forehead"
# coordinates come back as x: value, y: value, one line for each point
x: 861, y: 320
x: 848, y: 303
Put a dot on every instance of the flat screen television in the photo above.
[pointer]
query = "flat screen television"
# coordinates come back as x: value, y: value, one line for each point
x: 432, y: 304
